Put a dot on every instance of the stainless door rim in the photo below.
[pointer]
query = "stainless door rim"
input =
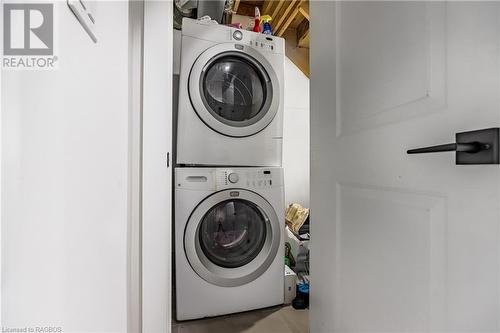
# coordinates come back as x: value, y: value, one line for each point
x: 231, y: 277
x: 195, y: 92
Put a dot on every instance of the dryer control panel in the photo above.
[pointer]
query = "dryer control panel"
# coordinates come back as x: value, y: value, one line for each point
x: 259, y: 41
x: 224, y: 34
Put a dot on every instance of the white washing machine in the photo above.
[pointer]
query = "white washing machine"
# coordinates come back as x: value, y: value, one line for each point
x: 230, y: 97
x: 229, y: 245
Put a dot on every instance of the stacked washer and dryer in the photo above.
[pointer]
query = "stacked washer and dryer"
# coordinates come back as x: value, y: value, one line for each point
x: 229, y: 195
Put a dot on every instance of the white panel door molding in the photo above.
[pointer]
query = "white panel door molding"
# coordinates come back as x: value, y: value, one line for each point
x: 391, y: 249
x: 403, y: 243
x: 389, y: 71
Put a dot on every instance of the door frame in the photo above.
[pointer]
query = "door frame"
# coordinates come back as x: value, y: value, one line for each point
x: 150, y: 158
x: 1, y: 134
x: 322, y: 53
x: 156, y: 166
x: 134, y: 296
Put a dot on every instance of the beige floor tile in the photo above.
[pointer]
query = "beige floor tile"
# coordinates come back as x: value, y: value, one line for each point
x: 270, y: 320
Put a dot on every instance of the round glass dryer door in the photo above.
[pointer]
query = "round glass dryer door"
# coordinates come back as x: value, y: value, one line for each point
x: 234, y: 91
x: 232, y: 237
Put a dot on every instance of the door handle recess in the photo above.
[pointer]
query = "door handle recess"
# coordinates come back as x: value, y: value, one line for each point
x: 474, y: 147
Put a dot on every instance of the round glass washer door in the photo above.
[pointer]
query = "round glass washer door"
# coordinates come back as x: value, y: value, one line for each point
x: 232, y: 233
x: 232, y: 239
x: 234, y: 90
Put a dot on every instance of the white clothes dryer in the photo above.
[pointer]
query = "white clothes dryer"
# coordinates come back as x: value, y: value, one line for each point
x: 230, y: 97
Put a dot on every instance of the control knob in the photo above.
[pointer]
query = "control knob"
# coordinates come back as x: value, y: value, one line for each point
x: 238, y: 35
x: 233, y: 178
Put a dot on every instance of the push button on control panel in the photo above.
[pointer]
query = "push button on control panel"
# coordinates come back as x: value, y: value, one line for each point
x: 233, y: 178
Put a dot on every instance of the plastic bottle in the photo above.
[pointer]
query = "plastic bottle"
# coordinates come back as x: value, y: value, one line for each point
x: 267, y: 28
x: 256, y: 27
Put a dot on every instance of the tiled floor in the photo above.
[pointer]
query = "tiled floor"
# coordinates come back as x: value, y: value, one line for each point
x: 270, y: 320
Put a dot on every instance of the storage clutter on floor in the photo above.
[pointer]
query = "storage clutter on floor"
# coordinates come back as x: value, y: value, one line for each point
x: 297, y: 251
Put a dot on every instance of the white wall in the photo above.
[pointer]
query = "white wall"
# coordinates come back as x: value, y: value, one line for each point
x: 65, y: 179
x: 296, y: 135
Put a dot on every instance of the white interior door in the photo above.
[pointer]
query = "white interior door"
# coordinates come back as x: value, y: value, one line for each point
x: 403, y: 242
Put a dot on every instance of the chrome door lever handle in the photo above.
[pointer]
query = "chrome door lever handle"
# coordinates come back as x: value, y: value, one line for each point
x: 473, y: 147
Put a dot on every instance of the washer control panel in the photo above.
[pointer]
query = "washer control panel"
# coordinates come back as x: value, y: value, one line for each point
x: 249, y: 178
x: 217, y: 179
